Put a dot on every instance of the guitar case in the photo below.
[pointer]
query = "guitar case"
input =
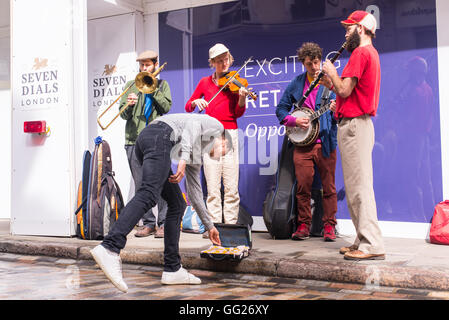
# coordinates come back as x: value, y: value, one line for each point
x: 279, y: 209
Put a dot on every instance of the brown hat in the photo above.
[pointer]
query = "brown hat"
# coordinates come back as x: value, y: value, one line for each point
x: 149, y: 54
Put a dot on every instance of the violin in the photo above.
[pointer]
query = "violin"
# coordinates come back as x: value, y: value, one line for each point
x: 236, y: 83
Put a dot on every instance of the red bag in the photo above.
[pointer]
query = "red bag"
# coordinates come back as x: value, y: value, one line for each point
x: 439, y: 230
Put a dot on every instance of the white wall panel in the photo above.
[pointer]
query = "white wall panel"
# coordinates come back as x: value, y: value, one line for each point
x: 112, y: 62
x: 5, y: 110
x: 42, y: 89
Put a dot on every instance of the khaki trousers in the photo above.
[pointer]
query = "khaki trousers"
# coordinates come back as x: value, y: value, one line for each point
x: 226, y: 168
x: 356, y: 141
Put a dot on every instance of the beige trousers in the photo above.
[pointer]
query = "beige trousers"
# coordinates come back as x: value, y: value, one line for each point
x: 226, y: 168
x: 356, y: 141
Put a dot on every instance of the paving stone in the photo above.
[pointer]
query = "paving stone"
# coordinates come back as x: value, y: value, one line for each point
x: 322, y: 288
x: 389, y: 295
x: 347, y: 286
x: 413, y: 292
x: 437, y: 294
x: 356, y: 296
x: 263, y: 284
x: 354, y: 292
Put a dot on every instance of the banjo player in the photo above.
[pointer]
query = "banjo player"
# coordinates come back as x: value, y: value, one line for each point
x: 321, y: 153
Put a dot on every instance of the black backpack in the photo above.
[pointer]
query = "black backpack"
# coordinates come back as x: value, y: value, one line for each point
x: 99, y: 200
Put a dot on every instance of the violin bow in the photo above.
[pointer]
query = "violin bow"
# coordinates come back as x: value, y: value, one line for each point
x: 229, y: 80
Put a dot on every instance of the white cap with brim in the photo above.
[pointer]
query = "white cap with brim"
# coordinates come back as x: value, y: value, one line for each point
x: 216, y: 50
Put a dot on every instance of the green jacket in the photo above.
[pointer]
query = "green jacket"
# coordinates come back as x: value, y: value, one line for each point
x: 134, y: 115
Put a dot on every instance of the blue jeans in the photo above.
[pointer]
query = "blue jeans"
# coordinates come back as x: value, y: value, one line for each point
x: 153, y: 148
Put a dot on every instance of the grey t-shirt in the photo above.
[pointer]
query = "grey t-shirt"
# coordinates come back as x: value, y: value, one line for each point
x: 194, y: 134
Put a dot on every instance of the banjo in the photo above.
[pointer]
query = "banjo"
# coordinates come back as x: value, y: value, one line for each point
x: 305, y: 137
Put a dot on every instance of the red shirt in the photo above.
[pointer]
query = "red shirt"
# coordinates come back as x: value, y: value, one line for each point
x: 225, y: 107
x: 364, y: 64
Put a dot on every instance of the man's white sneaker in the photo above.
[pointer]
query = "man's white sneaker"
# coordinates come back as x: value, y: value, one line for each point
x: 182, y: 276
x: 111, y: 264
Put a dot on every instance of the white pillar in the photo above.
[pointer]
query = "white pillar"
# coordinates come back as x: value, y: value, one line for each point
x: 48, y: 65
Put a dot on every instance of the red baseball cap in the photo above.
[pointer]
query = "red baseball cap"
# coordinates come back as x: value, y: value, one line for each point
x: 362, y: 18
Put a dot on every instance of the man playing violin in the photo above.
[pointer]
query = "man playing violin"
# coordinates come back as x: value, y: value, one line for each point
x: 226, y: 107
x: 321, y: 154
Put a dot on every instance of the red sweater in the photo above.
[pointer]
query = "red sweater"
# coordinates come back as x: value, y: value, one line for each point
x: 225, y: 107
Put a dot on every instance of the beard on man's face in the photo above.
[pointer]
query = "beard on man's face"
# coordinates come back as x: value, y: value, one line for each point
x: 353, y: 41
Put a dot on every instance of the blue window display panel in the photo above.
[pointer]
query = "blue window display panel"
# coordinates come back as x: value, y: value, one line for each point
x: 407, y: 151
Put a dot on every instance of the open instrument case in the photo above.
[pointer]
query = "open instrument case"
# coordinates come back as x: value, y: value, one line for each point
x: 235, y: 240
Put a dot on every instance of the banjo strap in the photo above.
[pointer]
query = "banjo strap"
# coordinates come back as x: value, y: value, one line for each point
x: 325, y: 96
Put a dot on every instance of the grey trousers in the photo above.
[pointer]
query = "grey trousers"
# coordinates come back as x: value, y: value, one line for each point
x: 356, y: 141
x: 149, y: 219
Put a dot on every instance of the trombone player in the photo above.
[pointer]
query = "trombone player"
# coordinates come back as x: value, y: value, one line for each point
x: 141, y: 110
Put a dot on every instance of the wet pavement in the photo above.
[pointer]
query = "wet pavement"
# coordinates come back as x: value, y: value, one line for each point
x: 409, y: 263
x: 42, y: 277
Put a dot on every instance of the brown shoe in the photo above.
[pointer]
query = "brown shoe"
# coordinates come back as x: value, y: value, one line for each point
x: 343, y: 250
x: 159, y: 232
x: 360, y: 255
x: 145, y: 232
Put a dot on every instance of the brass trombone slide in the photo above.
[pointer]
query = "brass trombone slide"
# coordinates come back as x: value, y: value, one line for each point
x: 146, y: 82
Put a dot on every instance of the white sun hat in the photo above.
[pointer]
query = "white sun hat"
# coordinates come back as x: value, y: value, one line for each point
x: 216, y: 50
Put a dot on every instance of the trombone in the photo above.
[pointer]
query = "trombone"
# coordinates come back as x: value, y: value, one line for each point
x: 146, y: 82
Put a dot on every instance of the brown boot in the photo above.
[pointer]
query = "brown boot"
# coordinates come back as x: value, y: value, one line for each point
x: 343, y: 250
x: 145, y: 232
x: 159, y: 232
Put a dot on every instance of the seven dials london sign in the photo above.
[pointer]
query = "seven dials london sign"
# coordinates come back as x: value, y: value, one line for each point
x: 107, y: 84
x: 39, y: 84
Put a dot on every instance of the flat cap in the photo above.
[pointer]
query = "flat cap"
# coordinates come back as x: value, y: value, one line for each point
x: 149, y: 54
